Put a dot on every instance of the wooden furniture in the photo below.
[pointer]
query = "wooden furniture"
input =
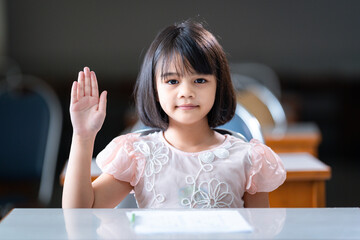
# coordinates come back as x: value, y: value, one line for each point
x: 305, y: 182
x: 304, y: 186
x: 267, y: 223
x: 299, y: 137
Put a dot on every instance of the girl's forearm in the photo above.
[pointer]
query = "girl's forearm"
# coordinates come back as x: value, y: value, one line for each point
x: 78, y: 191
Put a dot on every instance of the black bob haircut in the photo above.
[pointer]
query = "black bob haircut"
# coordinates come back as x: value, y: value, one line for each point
x: 199, y: 51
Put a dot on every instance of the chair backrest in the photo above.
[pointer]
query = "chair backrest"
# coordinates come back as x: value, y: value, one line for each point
x: 261, y: 102
x: 261, y: 73
x: 244, y: 123
x: 30, y: 123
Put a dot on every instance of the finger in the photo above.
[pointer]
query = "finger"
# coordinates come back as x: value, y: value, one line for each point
x: 74, y: 92
x: 87, y: 89
x: 80, y: 85
x: 102, y: 102
x: 94, y: 85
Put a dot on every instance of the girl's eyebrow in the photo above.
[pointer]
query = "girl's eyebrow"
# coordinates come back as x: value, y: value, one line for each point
x: 169, y: 74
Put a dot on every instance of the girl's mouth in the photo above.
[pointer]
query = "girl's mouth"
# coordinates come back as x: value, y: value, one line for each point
x: 187, y: 106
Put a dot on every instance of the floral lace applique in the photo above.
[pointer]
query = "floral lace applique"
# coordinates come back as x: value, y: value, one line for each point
x: 156, y: 155
x: 212, y: 193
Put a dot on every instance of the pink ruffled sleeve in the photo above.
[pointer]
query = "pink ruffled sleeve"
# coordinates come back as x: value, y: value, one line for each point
x: 265, y: 171
x: 121, y: 161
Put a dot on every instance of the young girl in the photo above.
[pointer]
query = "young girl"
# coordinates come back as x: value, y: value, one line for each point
x: 184, y: 89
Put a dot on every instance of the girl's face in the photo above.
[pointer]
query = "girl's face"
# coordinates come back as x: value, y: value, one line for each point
x: 186, y: 98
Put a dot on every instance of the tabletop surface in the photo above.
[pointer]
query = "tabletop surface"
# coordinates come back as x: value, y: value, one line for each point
x: 299, y: 129
x: 302, y: 162
x: 271, y: 223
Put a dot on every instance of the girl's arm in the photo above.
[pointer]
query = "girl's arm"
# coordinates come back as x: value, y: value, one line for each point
x: 257, y: 200
x: 87, y: 111
x: 78, y: 191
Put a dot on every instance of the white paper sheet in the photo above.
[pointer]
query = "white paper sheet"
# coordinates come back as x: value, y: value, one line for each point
x: 196, y: 221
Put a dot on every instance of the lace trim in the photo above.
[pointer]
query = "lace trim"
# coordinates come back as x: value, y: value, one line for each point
x: 156, y: 155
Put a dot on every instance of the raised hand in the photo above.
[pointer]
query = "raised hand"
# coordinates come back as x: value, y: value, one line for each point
x: 87, y: 110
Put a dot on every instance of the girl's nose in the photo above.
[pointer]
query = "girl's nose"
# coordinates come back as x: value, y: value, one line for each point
x: 186, y: 91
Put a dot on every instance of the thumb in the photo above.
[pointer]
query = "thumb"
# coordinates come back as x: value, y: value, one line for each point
x: 102, y: 101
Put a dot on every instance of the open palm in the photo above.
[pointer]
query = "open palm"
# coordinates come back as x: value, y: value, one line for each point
x: 87, y: 109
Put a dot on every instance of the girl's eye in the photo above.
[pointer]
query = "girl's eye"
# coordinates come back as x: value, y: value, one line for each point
x: 171, y: 82
x: 200, y: 80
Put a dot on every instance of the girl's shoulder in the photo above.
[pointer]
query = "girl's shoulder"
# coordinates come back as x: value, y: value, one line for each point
x: 125, y: 137
x: 234, y: 140
x: 254, y: 148
x: 131, y: 138
x: 124, y: 158
x: 263, y: 168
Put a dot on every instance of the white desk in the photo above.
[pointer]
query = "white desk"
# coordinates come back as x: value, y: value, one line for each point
x: 271, y: 223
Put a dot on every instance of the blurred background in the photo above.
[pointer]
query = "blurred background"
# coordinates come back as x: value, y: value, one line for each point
x: 312, y: 46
